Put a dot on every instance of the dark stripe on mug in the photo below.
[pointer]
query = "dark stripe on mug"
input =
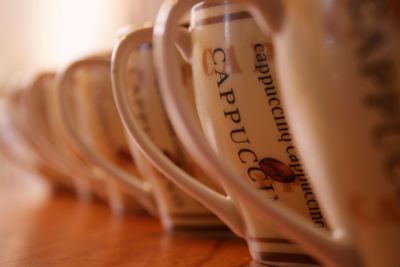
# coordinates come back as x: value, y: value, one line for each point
x: 200, y: 228
x: 192, y: 215
x: 285, y: 258
x: 269, y: 240
x: 223, y: 18
x: 208, y: 5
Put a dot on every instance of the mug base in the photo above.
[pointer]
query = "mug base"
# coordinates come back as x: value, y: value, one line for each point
x: 219, y: 232
x: 194, y: 224
x: 284, y: 259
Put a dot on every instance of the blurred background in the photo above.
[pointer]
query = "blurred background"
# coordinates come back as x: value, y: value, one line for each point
x: 39, y: 35
x: 43, y: 34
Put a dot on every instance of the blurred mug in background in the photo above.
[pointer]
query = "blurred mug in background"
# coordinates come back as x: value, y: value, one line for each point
x: 42, y: 117
x: 90, y: 119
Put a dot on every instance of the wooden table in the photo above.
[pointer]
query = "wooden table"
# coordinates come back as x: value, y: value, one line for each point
x: 60, y: 231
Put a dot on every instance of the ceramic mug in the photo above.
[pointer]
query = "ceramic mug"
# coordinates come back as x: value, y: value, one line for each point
x: 13, y: 144
x: 99, y: 181
x: 42, y: 118
x: 18, y: 147
x: 16, y: 141
x: 156, y: 193
x: 332, y: 56
x: 33, y: 121
x: 92, y: 124
x: 276, y: 159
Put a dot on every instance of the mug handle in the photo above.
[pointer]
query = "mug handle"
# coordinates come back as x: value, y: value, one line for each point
x: 60, y: 161
x: 332, y: 250
x: 141, y: 190
x: 220, y: 204
x: 10, y: 128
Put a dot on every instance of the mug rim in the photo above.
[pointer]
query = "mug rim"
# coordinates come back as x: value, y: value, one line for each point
x: 205, y: 14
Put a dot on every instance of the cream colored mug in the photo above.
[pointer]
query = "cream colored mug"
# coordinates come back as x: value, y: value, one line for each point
x: 87, y: 112
x: 254, y: 160
x: 33, y: 122
x: 42, y: 118
x: 13, y: 145
x: 337, y: 63
x: 99, y: 114
x: 100, y: 182
x: 18, y: 146
x: 16, y: 140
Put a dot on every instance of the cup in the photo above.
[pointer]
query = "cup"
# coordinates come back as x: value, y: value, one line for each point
x: 330, y: 58
x: 255, y: 160
x: 41, y: 120
x: 92, y: 126
x: 93, y: 91
x: 102, y: 183
x: 18, y: 138
x: 17, y: 146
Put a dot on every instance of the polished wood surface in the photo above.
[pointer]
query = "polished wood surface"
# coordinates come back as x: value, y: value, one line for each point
x: 61, y: 231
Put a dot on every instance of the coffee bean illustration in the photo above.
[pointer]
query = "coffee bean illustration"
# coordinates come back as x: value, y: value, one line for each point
x: 277, y: 170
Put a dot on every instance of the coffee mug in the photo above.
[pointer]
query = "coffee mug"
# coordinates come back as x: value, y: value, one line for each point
x: 266, y: 245
x: 332, y: 56
x: 35, y: 118
x: 156, y: 193
x: 15, y: 142
x: 100, y: 182
x: 17, y: 146
x: 12, y: 142
x: 42, y: 119
x: 92, y: 126
x: 13, y: 145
